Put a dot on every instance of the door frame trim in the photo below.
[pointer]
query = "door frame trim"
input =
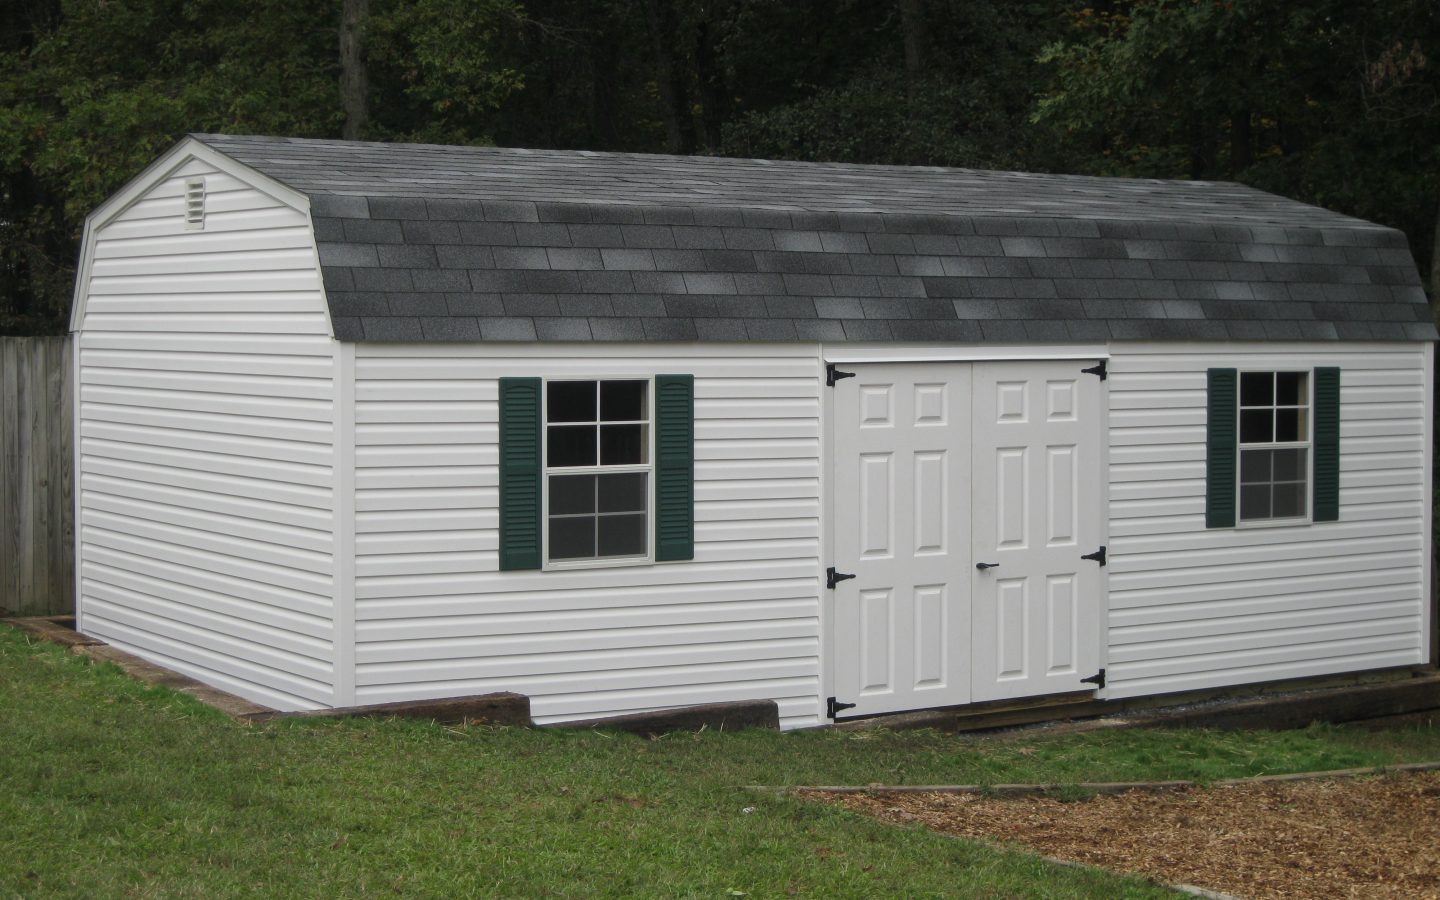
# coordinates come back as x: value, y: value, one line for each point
x: 854, y: 354
x: 889, y: 353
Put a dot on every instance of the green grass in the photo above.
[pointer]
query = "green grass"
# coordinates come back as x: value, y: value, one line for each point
x: 111, y: 788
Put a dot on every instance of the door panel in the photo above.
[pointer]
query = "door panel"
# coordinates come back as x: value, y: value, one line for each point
x: 901, y: 470
x: 939, y: 466
x: 1035, y: 512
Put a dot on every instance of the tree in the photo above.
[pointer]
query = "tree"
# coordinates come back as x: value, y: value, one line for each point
x: 92, y: 92
x: 1333, y: 102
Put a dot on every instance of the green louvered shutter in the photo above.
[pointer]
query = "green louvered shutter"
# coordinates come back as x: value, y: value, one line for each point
x: 1220, y: 448
x: 519, y: 473
x: 674, y: 467
x: 1326, y: 490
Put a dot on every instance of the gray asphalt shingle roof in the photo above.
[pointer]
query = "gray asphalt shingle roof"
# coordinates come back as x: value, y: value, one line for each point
x: 421, y: 242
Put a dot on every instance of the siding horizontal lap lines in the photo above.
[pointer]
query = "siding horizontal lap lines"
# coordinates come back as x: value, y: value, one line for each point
x: 300, y: 372
x: 221, y: 517
x: 256, y: 344
x: 226, y: 220
x: 495, y: 616
x: 627, y: 638
x: 426, y: 612
x: 1339, y: 591
x: 194, y: 398
x: 619, y: 664
x: 1392, y: 603
x: 546, y: 649
x: 280, y: 649
x: 269, y: 389
x: 1191, y: 607
x: 303, y: 485
x: 272, y: 602
x: 285, y: 238
x: 207, y: 442
x: 229, y: 673
x: 303, y: 616
x: 235, y: 439
x: 224, y: 259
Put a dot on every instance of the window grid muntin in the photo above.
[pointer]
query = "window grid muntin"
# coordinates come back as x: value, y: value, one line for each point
x: 600, y: 469
x: 1305, y: 427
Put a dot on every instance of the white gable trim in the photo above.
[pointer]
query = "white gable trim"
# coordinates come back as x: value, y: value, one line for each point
x: 183, y: 152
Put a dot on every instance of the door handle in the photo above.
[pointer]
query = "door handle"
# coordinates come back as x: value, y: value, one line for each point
x: 983, y: 566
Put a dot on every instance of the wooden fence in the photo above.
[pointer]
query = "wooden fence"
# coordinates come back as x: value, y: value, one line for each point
x: 37, y: 518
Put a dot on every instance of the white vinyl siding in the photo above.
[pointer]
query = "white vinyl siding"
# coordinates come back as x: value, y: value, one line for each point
x: 435, y: 618
x: 206, y: 442
x: 1193, y: 608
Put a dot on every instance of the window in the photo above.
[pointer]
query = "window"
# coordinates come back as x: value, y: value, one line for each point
x: 1274, y: 445
x: 597, y: 469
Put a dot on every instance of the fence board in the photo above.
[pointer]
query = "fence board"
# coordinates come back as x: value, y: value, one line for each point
x: 37, y: 533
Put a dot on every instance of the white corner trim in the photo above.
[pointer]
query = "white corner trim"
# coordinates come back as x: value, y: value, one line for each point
x: 342, y: 589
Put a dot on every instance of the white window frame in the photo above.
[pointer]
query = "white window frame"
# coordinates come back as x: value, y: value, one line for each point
x: 546, y: 471
x: 1308, y: 445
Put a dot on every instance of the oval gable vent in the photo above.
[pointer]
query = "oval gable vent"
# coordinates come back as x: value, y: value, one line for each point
x: 195, y: 203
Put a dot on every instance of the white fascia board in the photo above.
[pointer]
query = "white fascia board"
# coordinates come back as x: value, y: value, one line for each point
x: 186, y: 149
x: 862, y: 353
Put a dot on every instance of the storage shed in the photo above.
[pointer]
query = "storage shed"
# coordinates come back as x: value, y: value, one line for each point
x: 363, y: 423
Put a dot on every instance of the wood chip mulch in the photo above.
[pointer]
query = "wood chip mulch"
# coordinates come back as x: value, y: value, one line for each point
x: 1356, y: 837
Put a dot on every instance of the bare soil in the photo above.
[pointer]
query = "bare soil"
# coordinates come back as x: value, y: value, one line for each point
x: 1356, y: 837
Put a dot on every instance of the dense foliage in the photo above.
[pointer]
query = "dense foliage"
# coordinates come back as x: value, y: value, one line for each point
x: 1335, y: 102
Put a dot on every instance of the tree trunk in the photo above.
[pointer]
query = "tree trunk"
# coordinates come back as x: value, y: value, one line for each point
x: 672, y: 91
x: 604, y: 100
x: 1435, y: 262
x: 354, y: 85
x: 1239, y: 142
x: 711, y: 78
x: 1203, y: 143
x: 912, y: 29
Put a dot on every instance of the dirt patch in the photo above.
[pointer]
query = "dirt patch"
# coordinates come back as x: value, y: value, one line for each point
x: 1362, y: 837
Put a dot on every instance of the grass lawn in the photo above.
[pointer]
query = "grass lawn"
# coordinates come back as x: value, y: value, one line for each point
x: 110, y: 788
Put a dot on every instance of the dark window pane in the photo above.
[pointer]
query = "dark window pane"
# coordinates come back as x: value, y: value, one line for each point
x: 570, y: 494
x: 571, y: 445
x: 622, y: 400
x: 1254, y: 466
x: 1289, y: 501
x: 622, y: 535
x: 1255, y: 501
x: 1257, y: 388
x: 570, y: 401
x: 572, y: 538
x: 622, y: 445
x: 1288, y: 425
x: 622, y: 493
x: 1289, y: 465
x: 1256, y: 426
x: 1289, y: 388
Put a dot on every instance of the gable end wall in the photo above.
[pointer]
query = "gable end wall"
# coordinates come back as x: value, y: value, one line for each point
x: 206, y: 441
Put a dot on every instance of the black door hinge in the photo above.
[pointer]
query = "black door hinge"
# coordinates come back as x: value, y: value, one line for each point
x: 833, y: 707
x: 833, y: 374
x: 833, y: 578
x: 1098, y: 556
x: 1098, y: 679
x: 1097, y: 369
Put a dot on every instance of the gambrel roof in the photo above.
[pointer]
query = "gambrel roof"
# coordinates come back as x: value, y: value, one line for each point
x: 423, y: 242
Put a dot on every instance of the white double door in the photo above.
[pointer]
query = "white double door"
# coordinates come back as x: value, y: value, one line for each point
x: 937, y: 469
